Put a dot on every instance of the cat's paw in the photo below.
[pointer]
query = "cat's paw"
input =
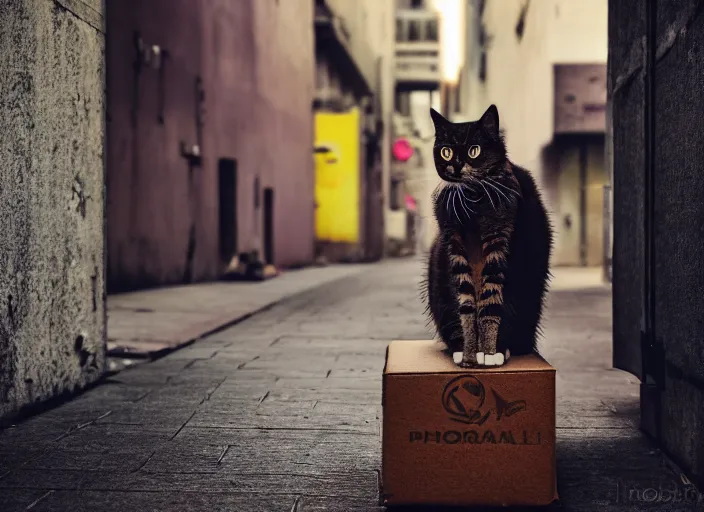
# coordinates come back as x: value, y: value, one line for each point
x: 497, y: 359
x: 494, y: 359
x: 464, y: 362
x: 481, y: 359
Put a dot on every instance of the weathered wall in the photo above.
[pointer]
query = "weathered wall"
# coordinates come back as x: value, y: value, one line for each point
x: 626, y: 98
x: 52, y: 305
x: 520, y: 77
x: 256, y: 65
x: 679, y: 216
x: 519, y: 74
x: 676, y: 139
x: 153, y: 197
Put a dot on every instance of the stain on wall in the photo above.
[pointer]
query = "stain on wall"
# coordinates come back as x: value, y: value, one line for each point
x: 52, y: 304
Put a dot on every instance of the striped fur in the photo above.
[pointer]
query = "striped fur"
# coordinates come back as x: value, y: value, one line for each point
x: 488, y: 268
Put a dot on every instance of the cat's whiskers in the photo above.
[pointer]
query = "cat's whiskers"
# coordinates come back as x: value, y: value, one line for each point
x: 488, y: 195
x: 466, y: 210
x: 462, y: 198
x: 499, y: 191
x: 454, y: 196
x: 509, y: 189
x: 472, y: 179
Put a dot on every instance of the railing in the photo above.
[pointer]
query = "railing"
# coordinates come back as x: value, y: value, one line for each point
x: 417, y: 46
x: 414, y: 25
x: 417, y: 68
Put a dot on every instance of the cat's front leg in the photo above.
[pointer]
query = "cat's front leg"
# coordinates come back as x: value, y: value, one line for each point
x: 464, y: 285
x: 490, y: 306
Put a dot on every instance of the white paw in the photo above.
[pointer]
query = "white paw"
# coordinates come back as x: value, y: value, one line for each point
x: 494, y: 359
x: 480, y: 358
x: 457, y: 357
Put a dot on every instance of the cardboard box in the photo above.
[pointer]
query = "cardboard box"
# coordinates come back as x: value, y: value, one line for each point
x: 466, y: 437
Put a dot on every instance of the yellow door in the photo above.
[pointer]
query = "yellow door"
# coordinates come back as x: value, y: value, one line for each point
x: 337, y: 176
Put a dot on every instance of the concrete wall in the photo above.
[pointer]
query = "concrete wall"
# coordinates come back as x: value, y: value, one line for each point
x: 365, y: 22
x: 259, y: 69
x: 154, y: 202
x: 256, y: 77
x: 52, y: 303
x: 672, y: 394
x: 520, y: 79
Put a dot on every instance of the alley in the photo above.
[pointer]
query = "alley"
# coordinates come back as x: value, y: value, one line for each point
x: 282, y: 412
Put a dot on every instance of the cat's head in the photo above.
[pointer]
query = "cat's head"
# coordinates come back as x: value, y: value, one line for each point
x: 467, y: 152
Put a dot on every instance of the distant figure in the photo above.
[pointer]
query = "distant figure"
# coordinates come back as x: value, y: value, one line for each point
x: 488, y: 268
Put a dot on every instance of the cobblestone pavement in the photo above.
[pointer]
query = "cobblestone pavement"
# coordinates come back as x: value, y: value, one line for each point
x: 152, y: 322
x: 282, y: 413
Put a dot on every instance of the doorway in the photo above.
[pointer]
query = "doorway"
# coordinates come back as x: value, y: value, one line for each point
x: 227, y: 193
x: 580, y: 202
x: 269, y: 226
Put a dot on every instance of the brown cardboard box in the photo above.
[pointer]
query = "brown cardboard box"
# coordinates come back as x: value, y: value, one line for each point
x: 467, y: 437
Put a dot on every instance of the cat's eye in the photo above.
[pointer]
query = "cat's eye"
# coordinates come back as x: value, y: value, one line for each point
x: 474, y: 151
x: 446, y: 153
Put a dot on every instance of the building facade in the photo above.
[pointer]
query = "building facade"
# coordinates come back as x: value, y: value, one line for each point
x: 52, y: 302
x: 210, y: 137
x: 656, y: 100
x: 352, y: 108
x: 418, y: 81
x: 544, y: 65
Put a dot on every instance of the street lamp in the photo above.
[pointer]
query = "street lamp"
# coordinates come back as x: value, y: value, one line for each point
x: 452, y: 42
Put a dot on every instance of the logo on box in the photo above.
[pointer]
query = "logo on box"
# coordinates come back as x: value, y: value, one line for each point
x: 464, y: 399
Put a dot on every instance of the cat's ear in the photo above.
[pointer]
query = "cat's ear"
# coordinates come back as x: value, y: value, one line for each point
x: 438, y: 120
x: 490, y: 121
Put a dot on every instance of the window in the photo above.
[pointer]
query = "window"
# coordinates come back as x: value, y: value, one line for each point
x: 400, y: 31
x: 395, y: 195
x: 414, y: 30
x: 431, y: 30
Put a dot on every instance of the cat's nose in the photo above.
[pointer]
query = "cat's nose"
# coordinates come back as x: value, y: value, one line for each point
x: 453, y: 171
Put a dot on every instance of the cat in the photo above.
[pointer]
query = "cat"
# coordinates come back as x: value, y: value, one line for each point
x: 488, y: 270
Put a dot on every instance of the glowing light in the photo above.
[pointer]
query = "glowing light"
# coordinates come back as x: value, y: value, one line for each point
x: 452, y: 34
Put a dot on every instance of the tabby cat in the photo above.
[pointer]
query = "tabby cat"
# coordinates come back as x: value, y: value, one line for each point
x: 488, y: 269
